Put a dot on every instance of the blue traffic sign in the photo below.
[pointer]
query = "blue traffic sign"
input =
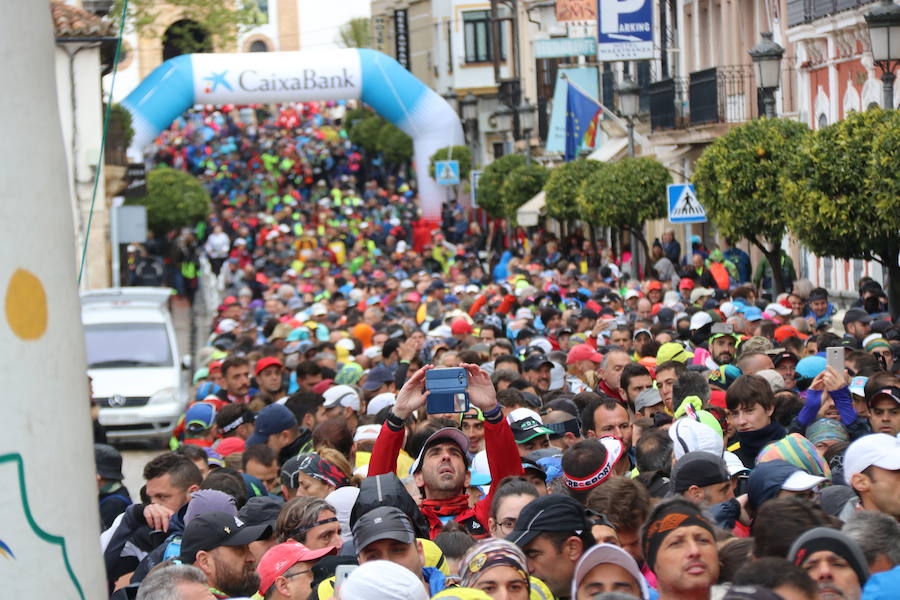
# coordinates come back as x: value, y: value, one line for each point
x: 446, y: 172
x: 683, y: 204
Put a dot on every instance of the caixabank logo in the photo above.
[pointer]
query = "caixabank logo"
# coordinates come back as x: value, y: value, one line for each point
x: 251, y: 80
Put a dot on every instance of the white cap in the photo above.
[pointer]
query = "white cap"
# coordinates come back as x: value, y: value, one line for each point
x: 383, y: 580
x: 801, y: 481
x: 728, y: 309
x: 689, y: 435
x: 372, y: 352
x: 524, y: 313
x: 345, y: 343
x: 341, y: 395
x: 366, y: 433
x: 733, y: 463
x: 472, y: 289
x: 318, y: 309
x: 608, y: 554
x: 631, y: 294
x: 459, y: 289
x: 700, y: 292
x: 401, y: 247
x: 480, y: 463
x: 699, y: 319
x: 377, y: 403
x: 777, y: 309
x: 875, y: 450
x: 226, y: 326
x: 773, y: 378
x: 407, y: 284
x: 522, y: 413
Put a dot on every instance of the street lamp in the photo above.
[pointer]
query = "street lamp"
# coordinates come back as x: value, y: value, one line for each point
x: 502, y: 118
x: 766, y: 56
x: 527, y: 114
x: 450, y: 97
x: 469, y: 105
x: 630, y: 105
x: 883, y: 22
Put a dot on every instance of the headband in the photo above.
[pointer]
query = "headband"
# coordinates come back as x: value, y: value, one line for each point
x: 591, y: 481
x: 319, y: 468
x: 234, y: 424
x: 304, y: 530
x: 491, y: 553
x: 676, y: 516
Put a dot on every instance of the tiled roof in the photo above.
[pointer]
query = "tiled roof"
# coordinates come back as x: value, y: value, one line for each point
x: 74, y: 22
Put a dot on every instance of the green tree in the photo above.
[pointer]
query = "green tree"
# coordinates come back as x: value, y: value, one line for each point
x: 738, y: 181
x: 843, y: 189
x: 174, y: 199
x: 520, y: 186
x: 562, y: 187
x: 489, y: 198
x: 625, y: 194
x: 355, y: 33
x: 356, y: 115
x: 395, y: 146
x: 222, y: 21
x: 457, y: 153
x: 365, y: 133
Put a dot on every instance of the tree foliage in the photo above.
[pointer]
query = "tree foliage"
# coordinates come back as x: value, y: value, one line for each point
x: 562, y: 187
x: 458, y: 153
x: 625, y: 194
x: 843, y: 189
x: 174, y: 199
x: 521, y: 185
x: 395, y: 146
x: 355, y: 33
x: 365, y: 133
x: 356, y: 115
x: 489, y: 198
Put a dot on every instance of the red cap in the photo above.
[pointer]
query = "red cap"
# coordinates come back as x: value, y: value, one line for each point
x: 323, y: 385
x: 215, y: 365
x: 230, y: 445
x: 583, y: 352
x: 686, y: 283
x: 278, y: 559
x: 654, y: 285
x: 460, y: 326
x: 783, y: 332
x: 265, y: 363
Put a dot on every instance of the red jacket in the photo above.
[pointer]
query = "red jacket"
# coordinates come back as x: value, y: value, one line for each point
x: 503, y: 461
x: 605, y: 389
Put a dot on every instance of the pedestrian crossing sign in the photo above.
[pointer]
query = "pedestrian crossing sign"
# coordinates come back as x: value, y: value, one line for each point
x: 447, y: 172
x: 683, y: 204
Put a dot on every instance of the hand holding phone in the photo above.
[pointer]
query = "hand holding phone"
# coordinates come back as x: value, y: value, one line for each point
x: 447, y: 390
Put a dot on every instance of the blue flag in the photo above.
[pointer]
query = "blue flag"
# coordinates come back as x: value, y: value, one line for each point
x: 581, y: 112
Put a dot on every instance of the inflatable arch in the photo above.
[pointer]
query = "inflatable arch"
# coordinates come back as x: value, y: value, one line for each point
x: 262, y: 78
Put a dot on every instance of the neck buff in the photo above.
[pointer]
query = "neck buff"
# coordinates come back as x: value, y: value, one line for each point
x: 680, y: 514
x: 318, y: 468
x: 487, y: 554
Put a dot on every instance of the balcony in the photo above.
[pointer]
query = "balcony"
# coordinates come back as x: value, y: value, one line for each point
x: 720, y: 95
x: 807, y: 11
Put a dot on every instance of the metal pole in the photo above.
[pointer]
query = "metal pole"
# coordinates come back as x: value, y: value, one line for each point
x: 114, y: 241
x: 769, y: 102
x: 887, y: 86
x: 630, y: 137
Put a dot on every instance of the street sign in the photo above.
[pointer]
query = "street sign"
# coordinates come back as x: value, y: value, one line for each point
x: 474, y: 176
x: 447, y: 172
x: 683, y: 204
x: 136, y: 176
x: 131, y: 224
x: 625, y: 30
x: 559, y: 47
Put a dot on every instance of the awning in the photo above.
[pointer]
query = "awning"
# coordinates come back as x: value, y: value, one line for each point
x: 609, y: 149
x: 527, y: 214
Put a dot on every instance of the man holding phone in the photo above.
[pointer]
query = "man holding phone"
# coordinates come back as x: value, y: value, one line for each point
x: 441, y: 470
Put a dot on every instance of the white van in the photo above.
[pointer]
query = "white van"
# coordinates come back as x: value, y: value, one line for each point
x: 132, y: 357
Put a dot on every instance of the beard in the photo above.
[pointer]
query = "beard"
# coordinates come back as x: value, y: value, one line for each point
x: 236, y: 583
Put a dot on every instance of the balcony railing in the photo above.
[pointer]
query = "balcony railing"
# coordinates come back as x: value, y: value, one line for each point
x: 806, y: 11
x: 725, y: 94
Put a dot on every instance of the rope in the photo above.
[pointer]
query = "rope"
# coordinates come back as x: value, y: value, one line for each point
x: 112, y: 86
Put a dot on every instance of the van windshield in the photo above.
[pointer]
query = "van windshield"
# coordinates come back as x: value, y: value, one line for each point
x: 124, y: 345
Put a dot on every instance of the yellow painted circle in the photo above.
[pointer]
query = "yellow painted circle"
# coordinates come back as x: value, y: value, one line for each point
x: 26, y: 305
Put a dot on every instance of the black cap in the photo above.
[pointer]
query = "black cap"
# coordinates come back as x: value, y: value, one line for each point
x: 587, y: 314
x: 529, y: 465
x: 261, y: 510
x: 699, y: 468
x: 783, y: 356
x: 856, y: 315
x: 214, y: 529
x: 526, y: 332
x: 549, y: 514
x: 109, y: 462
x: 528, y: 429
x: 535, y: 362
x: 383, y: 523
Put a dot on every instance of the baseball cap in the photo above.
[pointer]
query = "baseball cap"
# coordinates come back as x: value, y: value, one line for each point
x: 450, y: 434
x: 261, y: 510
x: 801, y: 481
x: 199, y: 417
x: 528, y: 429
x: 752, y: 313
x: 377, y: 377
x: 608, y: 554
x: 888, y: 391
x: 699, y: 319
x: 775, y: 308
x: 367, y: 433
x: 875, y: 450
x: 700, y: 292
x: 551, y: 513
x: 672, y: 351
x: 856, y: 315
x: 529, y: 465
x: 580, y: 352
x: 460, y: 326
x: 535, y: 362
x: 858, y: 385
x: 686, y: 283
x: 340, y: 395
x: 380, y: 401
x: 272, y: 419
x: 631, y: 294
x: 214, y: 529
x: 783, y: 356
x: 281, y: 331
x: 383, y: 523
x: 638, y: 332
x: 109, y: 462
x: 318, y: 310
x: 699, y: 468
x: 278, y: 559
x: 782, y: 332
x: 654, y: 285
x: 647, y: 398
x: 264, y: 363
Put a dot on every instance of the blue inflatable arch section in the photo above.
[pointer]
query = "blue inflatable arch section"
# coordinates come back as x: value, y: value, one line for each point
x: 262, y: 78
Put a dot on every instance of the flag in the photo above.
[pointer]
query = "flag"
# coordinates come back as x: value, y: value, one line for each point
x: 582, y: 113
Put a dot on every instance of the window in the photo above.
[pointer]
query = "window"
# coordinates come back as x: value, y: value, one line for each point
x: 259, y: 46
x: 124, y: 345
x: 479, y: 42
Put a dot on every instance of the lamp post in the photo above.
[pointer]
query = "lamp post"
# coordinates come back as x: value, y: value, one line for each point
x: 883, y: 22
x: 527, y: 115
x: 766, y: 56
x: 630, y: 105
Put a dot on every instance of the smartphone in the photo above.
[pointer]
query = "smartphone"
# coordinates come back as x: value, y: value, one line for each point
x: 341, y: 574
x: 447, y: 390
x: 834, y: 358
